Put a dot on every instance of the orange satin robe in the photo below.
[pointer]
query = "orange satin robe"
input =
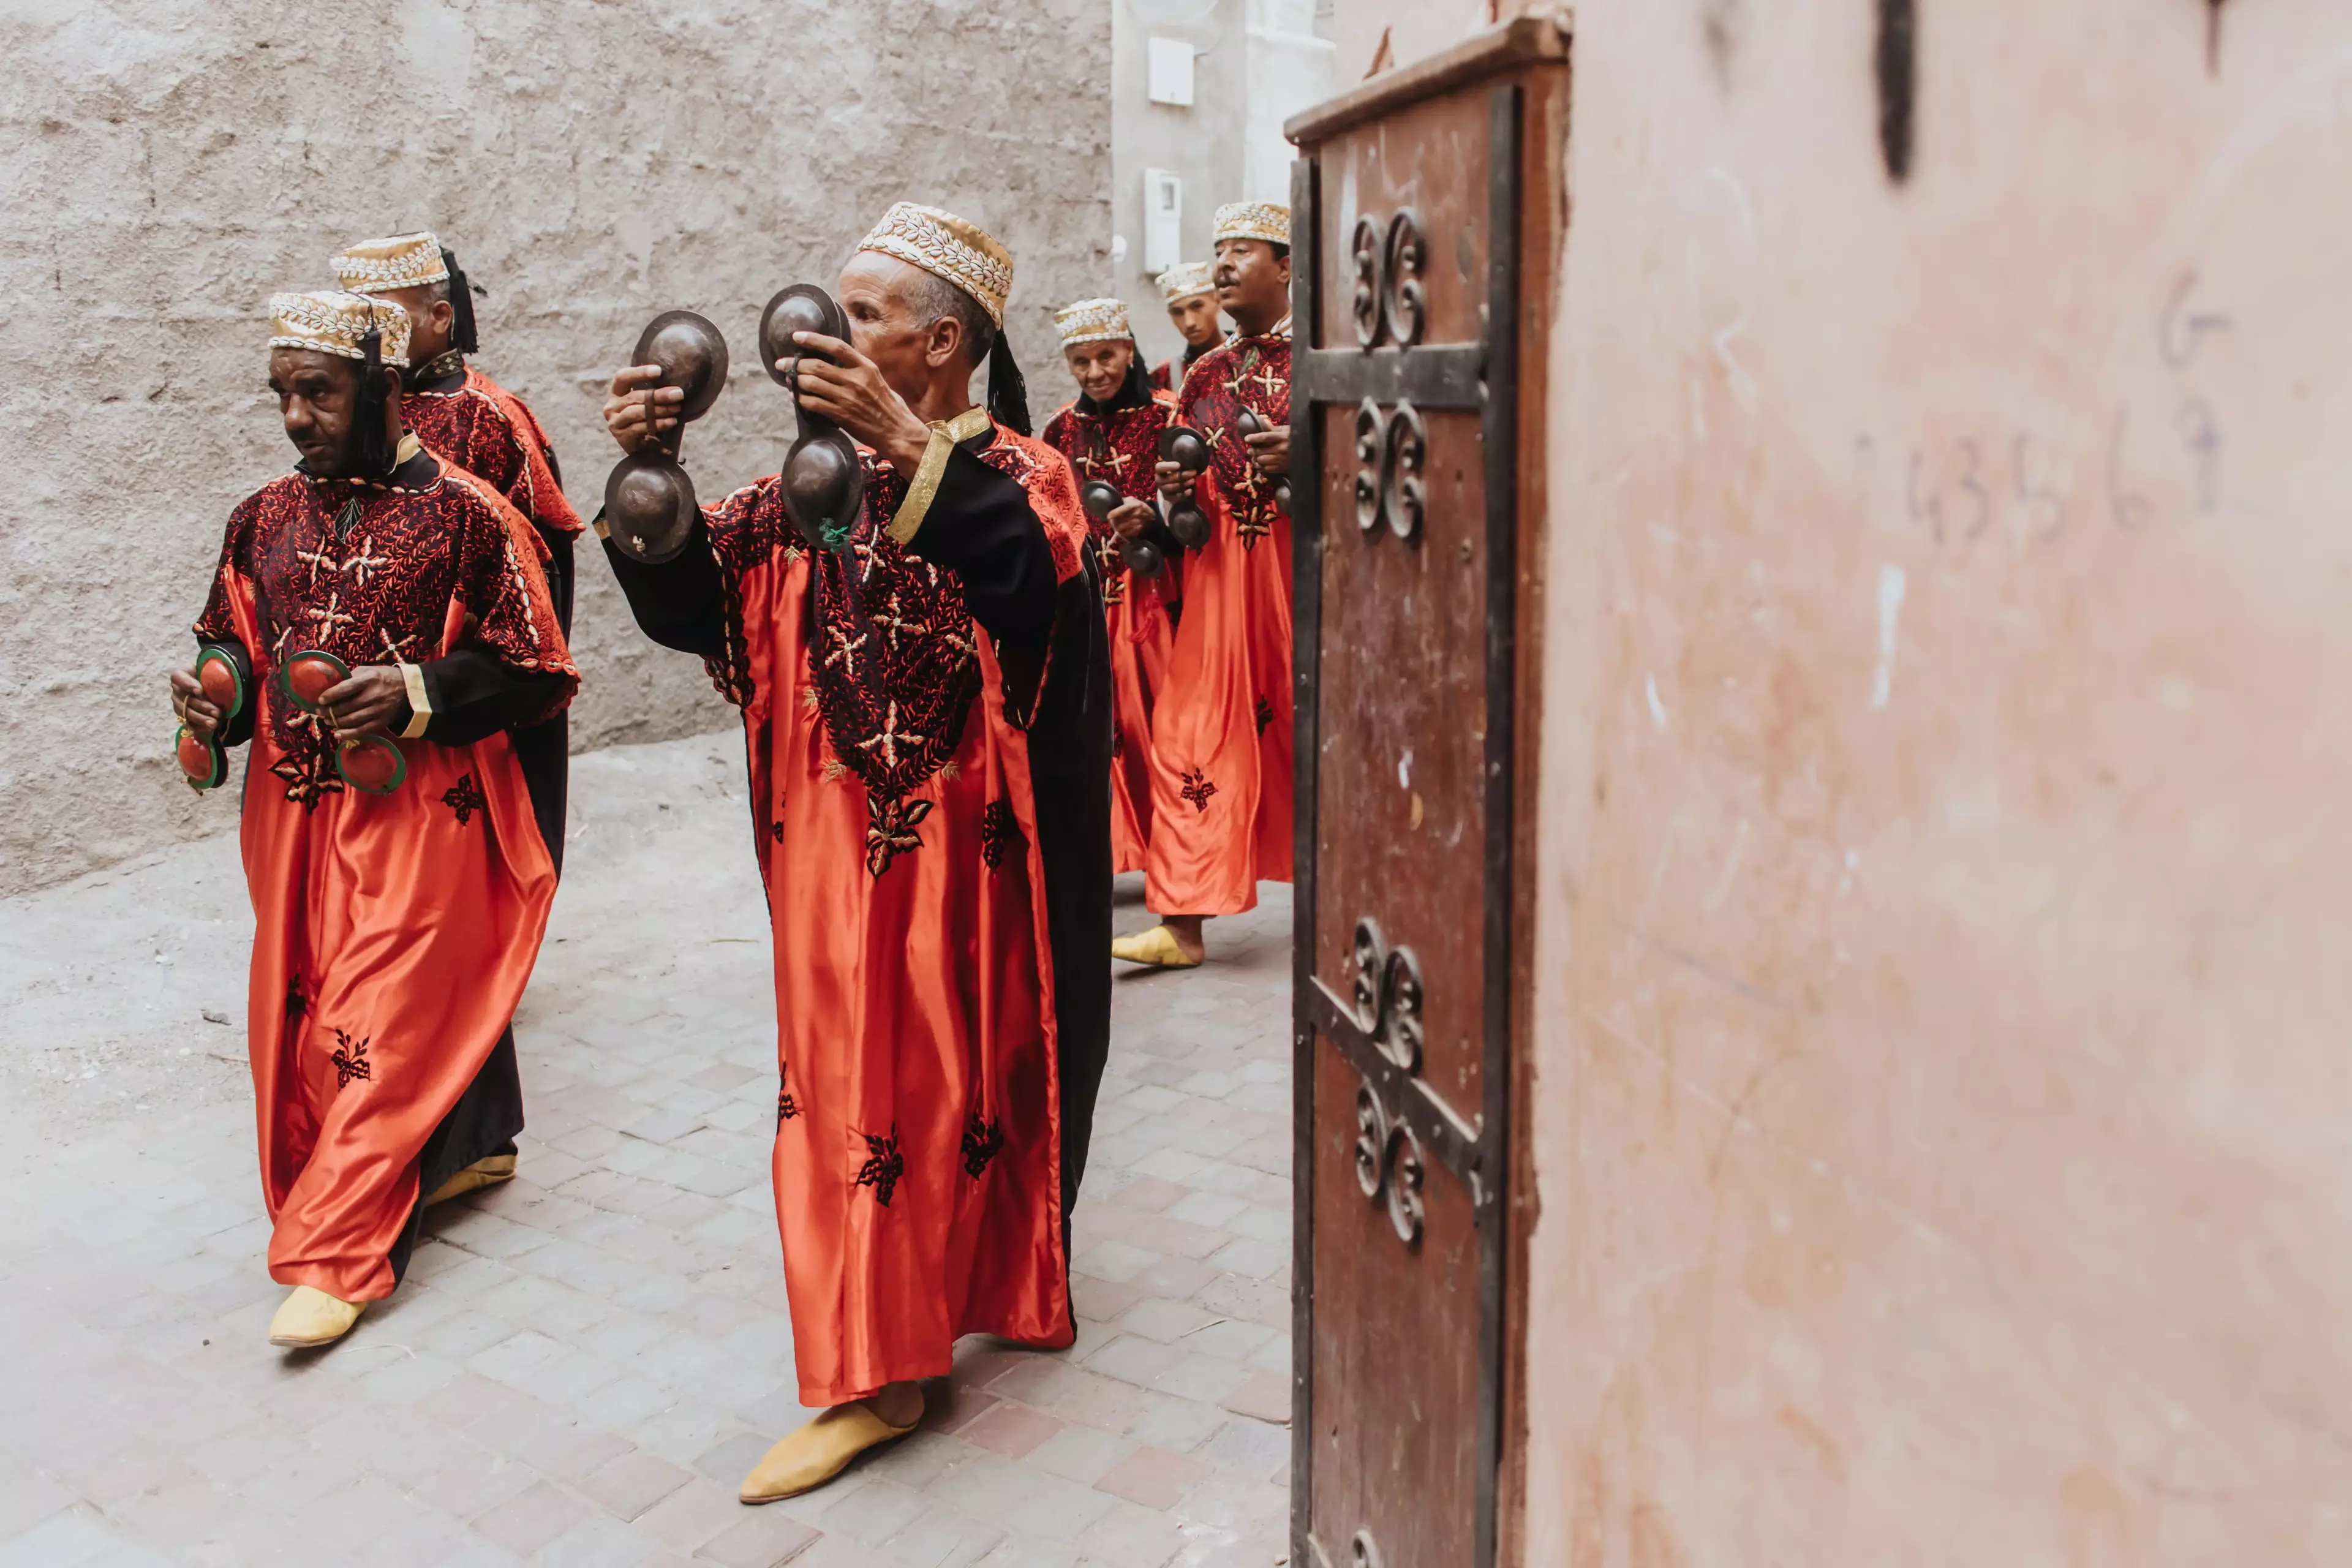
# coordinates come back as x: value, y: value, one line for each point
x: 393, y: 934
x: 1121, y: 448
x: 917, y: 1153
x: 1220, y: 757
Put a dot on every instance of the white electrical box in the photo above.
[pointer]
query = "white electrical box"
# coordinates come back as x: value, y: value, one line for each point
x: 1168, y: 70
x: 1164, y: 220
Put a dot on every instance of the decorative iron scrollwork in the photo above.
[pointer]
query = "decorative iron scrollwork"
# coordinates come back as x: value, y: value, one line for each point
x: 1390, y: 302
x: 1404, y: 304
x: 1388, y: 1009
x: 1388, y: 996
x: 1371, y: 461
x: 1362, y: 1552
x: 1388, y: 1163
x: 1408, y: 448
x: 1390, y: 449
x: 1366, y: 304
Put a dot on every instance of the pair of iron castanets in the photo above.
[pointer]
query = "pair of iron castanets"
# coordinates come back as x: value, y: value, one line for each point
x: 1189, y: 450
x: 649, y: 502
x: 372, y: 763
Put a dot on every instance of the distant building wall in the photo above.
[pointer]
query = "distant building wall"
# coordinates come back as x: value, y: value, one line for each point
x: 1942, y: 1095
x: 1257, y: 62
x: 170, y: 163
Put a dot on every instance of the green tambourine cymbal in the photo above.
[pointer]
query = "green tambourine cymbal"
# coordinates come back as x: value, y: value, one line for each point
x: 223, y: 688
x: 202, y: 763
x: 372, y: 765
x: 310, y: 676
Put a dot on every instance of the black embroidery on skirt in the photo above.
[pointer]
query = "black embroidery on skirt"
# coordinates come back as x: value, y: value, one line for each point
x: 1000, y: 833
x: 776, y: 831
x: 982, y: 1140
x: 1198, y: 789
x: 884, y: 1165
x: 465, y: 797
x: 295, y: 1005
x: 891, y: 833
x: 1117, y: 742
x: 786, y: 1106
x: 351, y: 1059
x: 1264, y: 715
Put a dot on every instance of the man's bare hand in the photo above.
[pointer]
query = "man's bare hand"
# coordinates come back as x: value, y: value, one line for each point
x: 847, y: 388
x: 1175, y: 483
x: 373, y: 701
x: 1270, y: 449
x: 195, y: 709
x: 1129, y: 519
x: 637, y: 412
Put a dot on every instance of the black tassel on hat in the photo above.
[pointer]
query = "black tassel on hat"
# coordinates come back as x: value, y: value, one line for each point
x: 371, y: 456
x: 461, y: 306
x: 1008, y: 393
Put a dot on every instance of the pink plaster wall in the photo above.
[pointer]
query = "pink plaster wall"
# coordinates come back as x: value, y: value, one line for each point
x: 1943, y: 1125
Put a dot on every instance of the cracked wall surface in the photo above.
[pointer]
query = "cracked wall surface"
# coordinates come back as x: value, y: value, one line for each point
x: 591, y: 163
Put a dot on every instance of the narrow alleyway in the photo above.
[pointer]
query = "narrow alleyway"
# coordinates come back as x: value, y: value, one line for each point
x: 581, y: 1364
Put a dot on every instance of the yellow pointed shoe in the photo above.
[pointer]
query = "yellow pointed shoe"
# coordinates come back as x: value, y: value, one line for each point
x: 310, y: 1317
x: 822, y: 1449
x: 487, y: 1171
x: 1156, y: 947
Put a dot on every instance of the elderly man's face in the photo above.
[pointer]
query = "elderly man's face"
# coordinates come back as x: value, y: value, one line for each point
x: 318, y: 397
x: 877, y: 291
x: 1099, y: 368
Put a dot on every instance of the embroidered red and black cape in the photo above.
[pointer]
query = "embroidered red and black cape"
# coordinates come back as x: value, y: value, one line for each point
x: 927, y: 730
x: 393, y: 933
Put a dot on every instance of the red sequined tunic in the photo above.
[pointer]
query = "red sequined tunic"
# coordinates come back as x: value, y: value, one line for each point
x: 922, y: 812
x: 393, y: 933
x: 492, y: 434
x: 1121, y: 447
x: 1220, y: 770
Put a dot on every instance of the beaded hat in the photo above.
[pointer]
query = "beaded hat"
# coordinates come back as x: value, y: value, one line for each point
x: 1187, y: 278
x: 333, y: 321
x: 380, y: 266
x: 1253, y: 220
x: 1093, y: 321
x: 945, y: 246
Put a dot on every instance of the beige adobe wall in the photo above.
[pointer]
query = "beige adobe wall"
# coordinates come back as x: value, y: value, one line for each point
x: 170, y: 163
x: 1945, y: 869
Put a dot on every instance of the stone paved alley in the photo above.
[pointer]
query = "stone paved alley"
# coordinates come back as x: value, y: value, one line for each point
x: 581, y: 1364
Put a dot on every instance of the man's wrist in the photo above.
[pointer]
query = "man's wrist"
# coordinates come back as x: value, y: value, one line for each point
x: 904, y: 448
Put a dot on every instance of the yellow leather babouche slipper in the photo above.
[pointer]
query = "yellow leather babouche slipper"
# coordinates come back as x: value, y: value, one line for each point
x: 1156, y: 947
x: 821, y: 1450
x: 310, y: 1317
x: 487, y: 1171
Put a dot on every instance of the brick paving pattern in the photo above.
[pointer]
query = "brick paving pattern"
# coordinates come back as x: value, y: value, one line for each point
x: 581, y: 1364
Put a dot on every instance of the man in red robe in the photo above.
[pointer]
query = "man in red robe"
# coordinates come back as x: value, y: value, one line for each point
x: 1221, y: 730
x: 399, y: 879
x: 465, y: 418
x: 1112, y: 434
x: 927, y: 716
x: 1189, y: 289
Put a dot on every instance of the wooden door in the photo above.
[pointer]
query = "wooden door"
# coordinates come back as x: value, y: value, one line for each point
x: 1416, y: 433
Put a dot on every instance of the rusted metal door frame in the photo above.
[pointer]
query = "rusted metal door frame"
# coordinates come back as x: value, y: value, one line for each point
x: 1404, y: 376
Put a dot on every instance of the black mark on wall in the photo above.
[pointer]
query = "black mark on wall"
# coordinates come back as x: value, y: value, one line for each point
x: 1898, y: 71
x: 1722, y: 22
x: 2213, y: 37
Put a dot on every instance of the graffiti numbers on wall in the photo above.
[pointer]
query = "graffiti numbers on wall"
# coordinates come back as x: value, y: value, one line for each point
x: 2158, y: 458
